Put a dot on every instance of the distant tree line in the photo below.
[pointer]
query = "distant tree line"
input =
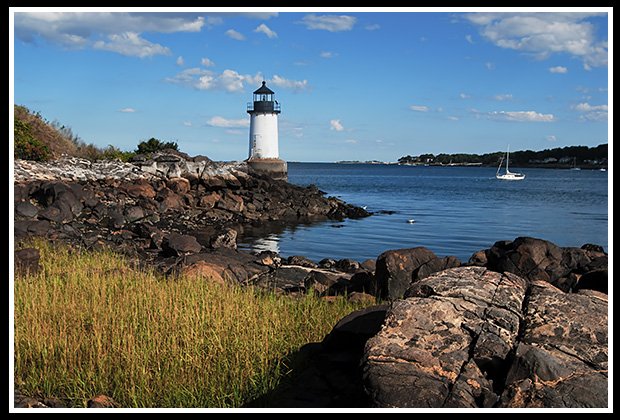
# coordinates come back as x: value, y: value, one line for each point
x: 564, y: 156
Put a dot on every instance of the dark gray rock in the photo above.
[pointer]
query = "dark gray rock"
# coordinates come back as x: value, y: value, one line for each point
x: 394, y: 270
x: 301, y: 261
x: 27, y: 260
x: 537, y: 259
x: 224, y: 238
x: 332, y: 378
x: 26, y: 209
x: 174, y: 244
x: 25, y: 228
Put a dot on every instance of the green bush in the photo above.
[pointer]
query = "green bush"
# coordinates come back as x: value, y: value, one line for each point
x: 26, y: 146
x: 153, y: 145
x: 111, y: 152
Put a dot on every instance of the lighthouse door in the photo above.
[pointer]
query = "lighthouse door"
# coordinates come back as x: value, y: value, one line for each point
x: 256, y: 153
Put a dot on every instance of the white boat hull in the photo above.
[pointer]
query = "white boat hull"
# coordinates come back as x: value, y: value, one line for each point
x: 511, y: 177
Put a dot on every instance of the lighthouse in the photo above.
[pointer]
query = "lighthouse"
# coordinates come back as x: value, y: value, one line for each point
x: 263, y: 153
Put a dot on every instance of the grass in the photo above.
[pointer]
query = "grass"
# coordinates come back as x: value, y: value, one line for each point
x: 89, y: 324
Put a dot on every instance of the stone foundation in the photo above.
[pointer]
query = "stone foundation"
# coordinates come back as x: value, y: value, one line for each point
x: 275, y: 168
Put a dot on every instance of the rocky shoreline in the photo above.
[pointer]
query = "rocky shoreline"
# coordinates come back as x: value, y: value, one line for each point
x: 162, y: 210
x: 522, y: 324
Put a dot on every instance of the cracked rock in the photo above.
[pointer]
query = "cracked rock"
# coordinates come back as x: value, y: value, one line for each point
x: 472, y: 337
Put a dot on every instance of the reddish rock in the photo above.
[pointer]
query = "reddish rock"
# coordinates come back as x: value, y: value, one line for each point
x: 471, y: 337
x: 102, y: 401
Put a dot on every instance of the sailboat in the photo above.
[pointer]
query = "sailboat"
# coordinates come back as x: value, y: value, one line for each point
x: 508, y: 176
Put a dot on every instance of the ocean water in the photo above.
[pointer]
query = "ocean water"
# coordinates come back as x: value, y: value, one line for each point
x: 457, y: 210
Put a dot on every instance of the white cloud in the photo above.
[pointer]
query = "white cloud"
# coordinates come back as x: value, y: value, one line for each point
x: 542, y: 34
x: 219, y: 121
x: 558, y: 69
x: 503, y: 97
x: 180, y: 61
x: 332, y: 23
x: 328, y: 54
x: 131, y: 44
x: 207, y: 63
x: 586, y: 107
x: 516, y: 116
x: 127, y: 110
x: 591, y: 112
x: 74, y: 30
x: 419, y: 108
x: 201, y: 79
x: 335, y: 125
x: 264, y: 29
x: 77, y: 29
x: 231, y: 33
x: 232, y: 81
x: 289, y: 84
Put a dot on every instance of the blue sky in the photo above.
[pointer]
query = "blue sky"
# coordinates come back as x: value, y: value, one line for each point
x: 354, y: 84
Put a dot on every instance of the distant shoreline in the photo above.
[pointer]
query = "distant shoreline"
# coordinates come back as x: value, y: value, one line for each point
x: 466, y: 164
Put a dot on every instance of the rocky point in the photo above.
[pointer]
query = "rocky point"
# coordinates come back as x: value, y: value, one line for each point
x: 521, y: 324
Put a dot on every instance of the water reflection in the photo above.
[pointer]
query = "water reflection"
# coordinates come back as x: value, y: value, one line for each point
x: 269, y: 236
x: 269, y: 243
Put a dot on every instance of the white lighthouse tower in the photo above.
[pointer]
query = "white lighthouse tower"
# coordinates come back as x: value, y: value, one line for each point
x: 264, y: 154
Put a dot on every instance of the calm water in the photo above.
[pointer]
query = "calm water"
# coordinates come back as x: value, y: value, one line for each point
x: 457, y: 210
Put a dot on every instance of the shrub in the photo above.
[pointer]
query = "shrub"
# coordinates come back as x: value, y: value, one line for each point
x: 153, y: 145
x: 26, y: 146
x: 112, y: 152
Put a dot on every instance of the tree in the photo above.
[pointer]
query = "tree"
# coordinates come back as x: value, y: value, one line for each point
x: 153, y: 145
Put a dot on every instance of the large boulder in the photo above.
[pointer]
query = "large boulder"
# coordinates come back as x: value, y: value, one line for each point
x: 332, y: 378
x: 562, y: 356
x: 397, y: 269
x: 537, y: 259
x: 175, y: 244
x: 471, y: 337
x: 223, y: 264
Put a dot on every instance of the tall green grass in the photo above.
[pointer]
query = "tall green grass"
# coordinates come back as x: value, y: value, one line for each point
x: 87, y: 324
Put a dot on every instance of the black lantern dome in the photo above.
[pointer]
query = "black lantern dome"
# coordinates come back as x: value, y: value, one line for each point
x: 264, y: 101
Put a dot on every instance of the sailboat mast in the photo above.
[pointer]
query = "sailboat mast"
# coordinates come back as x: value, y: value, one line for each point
x: 507, y: 157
